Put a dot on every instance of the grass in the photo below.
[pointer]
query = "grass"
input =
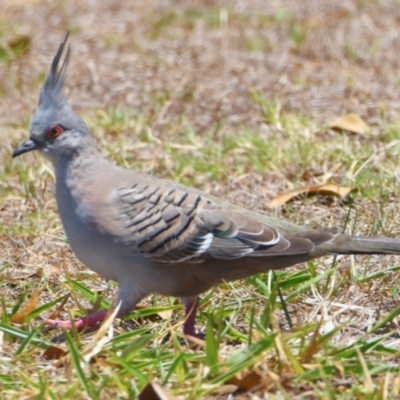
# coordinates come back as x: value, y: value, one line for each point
x: 236, y: 103
x: 291, y: 329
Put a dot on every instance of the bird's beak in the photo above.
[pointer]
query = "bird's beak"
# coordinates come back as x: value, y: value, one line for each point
x: 29, y: 145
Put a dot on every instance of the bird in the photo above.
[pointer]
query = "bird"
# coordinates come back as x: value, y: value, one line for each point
x: 155, y: 236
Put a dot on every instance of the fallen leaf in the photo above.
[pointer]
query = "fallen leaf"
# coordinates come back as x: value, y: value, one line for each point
x: 153, y: 391
x: 326, y: 190
x: 54, y: 353
x: 167, y: 314
x: 248, y: 381
x: 352, y: 123
x: 20, y: 316
x: 51, y: 270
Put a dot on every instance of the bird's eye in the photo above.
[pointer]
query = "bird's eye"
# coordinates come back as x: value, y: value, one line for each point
x: 54, y: 132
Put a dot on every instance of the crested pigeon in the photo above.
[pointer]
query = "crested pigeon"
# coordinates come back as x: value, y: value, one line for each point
x: 154, y: 236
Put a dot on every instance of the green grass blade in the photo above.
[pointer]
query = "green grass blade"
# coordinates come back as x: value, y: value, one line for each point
x: 76, y: 360
x: 17, y: 333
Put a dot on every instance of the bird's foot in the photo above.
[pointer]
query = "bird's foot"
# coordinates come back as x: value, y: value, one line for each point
x: 88, y: 321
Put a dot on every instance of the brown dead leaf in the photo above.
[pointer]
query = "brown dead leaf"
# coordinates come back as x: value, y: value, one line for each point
x: 20, y: 316
x: 54, y: 353
x: 326, y: 190
x: 352, y: 123
x: 50, y: 270
x: 153, y: 391
x: 248, y: 381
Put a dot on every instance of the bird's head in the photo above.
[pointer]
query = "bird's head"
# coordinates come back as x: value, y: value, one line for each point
x: 56, y: 130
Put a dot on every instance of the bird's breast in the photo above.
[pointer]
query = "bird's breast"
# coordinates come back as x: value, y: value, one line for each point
x: 90, y: 246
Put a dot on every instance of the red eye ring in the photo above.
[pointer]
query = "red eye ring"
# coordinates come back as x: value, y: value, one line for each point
x: 54, y: 132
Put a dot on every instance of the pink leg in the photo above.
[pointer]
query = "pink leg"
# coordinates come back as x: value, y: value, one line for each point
x: 85, y: 322
x: 190, y: 317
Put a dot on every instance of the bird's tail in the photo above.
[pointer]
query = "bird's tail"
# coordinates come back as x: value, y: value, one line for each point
x: 345, y: 244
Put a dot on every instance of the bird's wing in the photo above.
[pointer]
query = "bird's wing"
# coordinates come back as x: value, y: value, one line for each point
x: 171, y: 224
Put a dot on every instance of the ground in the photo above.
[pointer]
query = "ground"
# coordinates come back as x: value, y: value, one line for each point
x: 235, y: 98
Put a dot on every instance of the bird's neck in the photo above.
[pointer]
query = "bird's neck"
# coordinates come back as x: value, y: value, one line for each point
x: 80, y: 167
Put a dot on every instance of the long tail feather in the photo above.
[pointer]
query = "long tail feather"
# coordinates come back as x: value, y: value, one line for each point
x: 344, y: 244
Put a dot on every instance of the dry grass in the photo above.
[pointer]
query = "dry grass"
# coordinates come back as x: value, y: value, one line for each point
x: 233, y: 98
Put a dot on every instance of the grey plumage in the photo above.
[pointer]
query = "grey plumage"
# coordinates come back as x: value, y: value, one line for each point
x: 51, y: 95
x: 156, y: 236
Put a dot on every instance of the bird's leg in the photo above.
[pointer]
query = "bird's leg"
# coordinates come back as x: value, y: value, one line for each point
x: 127, y: 298
x: 190, y: 316
x: 87, y: 321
